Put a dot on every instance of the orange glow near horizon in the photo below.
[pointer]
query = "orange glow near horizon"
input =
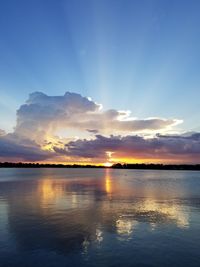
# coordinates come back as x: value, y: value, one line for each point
x: 121, y: 160
x: 114, y: 161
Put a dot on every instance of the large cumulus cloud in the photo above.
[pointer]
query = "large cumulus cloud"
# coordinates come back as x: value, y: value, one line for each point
x: 41, y: 119
x: 43, y: 116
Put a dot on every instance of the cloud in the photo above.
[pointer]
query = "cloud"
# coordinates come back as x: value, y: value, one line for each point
x: 177, y: 147
x: 92, y: 131
x: 14, y: 148
x: 43, y: 116
x: 75, y: 128
x: 2, y: 132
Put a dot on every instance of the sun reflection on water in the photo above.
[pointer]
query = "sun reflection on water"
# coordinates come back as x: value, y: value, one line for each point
x: 91, y: 211
x: 108, y: 182
x: 50, y: 191
x: 127, y: 214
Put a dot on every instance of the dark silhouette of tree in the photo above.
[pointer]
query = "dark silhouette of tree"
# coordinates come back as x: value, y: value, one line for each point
x: 141, y: 166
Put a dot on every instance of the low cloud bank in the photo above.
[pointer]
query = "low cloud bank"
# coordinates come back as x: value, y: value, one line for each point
x: 15, y: 148
x: 177, y: 147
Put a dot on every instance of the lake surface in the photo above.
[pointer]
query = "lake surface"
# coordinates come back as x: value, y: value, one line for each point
x: 99, y: 217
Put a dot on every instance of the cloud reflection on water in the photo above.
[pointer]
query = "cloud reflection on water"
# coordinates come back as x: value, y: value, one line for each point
x: 68, y: 214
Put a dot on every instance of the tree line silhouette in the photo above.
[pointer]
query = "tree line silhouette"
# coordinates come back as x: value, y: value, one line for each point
x: 141, y: 166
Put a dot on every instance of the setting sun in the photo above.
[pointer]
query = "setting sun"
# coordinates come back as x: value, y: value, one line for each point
x: 107, y: 164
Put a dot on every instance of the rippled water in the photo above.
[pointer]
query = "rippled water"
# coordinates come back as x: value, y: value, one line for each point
x: 99, y: 217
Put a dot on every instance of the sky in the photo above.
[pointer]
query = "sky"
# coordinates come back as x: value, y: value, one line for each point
x: 99, y: 81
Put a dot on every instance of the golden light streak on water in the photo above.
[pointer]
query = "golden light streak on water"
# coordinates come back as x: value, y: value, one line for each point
x: 49, y: 191
x: 108, y: 182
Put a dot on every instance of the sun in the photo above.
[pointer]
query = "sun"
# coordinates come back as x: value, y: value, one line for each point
x: 107, y: 164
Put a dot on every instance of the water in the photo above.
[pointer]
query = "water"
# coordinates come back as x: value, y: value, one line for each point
x: 99, y: 217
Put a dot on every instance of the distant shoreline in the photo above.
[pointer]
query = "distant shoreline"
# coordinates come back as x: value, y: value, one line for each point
x: 136, y: 166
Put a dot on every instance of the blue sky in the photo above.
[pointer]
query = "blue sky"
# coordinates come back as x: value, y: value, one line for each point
x: 137, y: 55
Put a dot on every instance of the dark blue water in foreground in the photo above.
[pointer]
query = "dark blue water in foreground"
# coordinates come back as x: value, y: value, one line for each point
x: 99, y: 217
